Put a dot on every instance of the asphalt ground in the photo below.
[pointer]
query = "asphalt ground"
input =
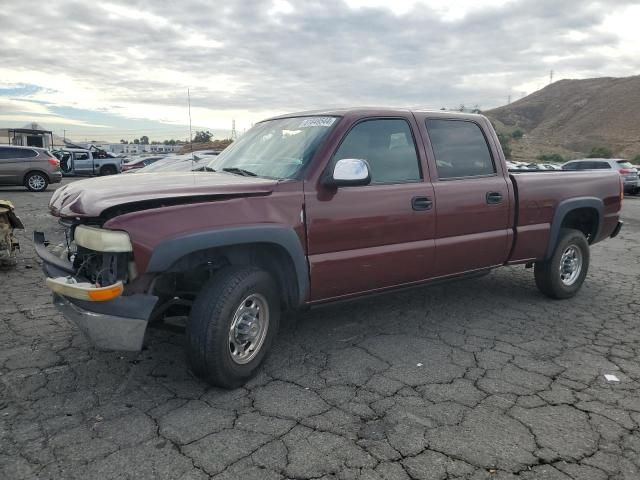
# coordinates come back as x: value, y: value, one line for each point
x: 479, y: 379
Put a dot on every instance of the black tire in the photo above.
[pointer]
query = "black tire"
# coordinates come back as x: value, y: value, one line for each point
x: 108, y: 170
x: 36, y: 182
x: 549, y: 278
x: 209, y: 349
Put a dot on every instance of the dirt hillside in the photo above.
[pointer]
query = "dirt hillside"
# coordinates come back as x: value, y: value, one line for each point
x: 570, y: 117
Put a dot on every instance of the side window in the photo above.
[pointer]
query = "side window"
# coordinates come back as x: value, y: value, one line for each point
x: 388, y: 146
x: 460, y: 149
x: 25, y: 153
x: 82, y: 156
x: 602, y: 165
x: 571, y: 166
x: 4, y: 153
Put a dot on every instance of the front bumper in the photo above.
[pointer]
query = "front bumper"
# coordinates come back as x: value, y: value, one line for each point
x: 117, y: 324
x: 105, y: 331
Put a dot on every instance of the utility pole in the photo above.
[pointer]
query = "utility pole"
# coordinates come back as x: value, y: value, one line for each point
x: 64, y: 136
x: 508, y: 99
x: 550, y: 77
x: 190, y: 134
x: 234, y: 134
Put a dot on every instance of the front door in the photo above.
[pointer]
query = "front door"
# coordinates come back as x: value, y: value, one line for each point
x: 366, y: 238
x: 11, y: 165
x: 472, y: 198
x: 82, y: 163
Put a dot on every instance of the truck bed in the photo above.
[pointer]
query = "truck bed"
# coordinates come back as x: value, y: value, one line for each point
x: 540, y: 196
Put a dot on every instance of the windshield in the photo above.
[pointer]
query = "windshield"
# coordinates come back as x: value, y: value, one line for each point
x: 275, y: 148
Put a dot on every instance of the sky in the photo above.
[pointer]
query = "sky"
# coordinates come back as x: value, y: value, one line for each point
x: 107, y: 70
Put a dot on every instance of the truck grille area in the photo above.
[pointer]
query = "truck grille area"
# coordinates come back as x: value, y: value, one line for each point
x: 100, y: 268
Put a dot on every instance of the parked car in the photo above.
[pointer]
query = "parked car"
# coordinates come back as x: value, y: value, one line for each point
x: 628, y: 173
x: 136, y: 163
x: 311, y: 208
x: 35, y: 168
x: 82, y: 162
x: 177, y: 163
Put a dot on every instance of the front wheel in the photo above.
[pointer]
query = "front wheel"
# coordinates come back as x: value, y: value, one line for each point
x: 233, y: 322
x: 563, y: 274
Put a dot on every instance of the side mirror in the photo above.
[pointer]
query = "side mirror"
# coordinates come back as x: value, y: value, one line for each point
x: 349, y: 172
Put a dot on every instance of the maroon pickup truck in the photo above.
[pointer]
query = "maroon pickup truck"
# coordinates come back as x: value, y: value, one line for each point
x: 311, y: 208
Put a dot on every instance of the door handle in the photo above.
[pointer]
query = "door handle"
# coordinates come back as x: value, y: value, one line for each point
x: 421, y: 203
x: 494, y: 197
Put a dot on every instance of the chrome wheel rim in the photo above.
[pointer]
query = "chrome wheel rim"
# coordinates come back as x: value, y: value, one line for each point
x: 248, y: 328
x: 36, y: 182
x: 570, y: 265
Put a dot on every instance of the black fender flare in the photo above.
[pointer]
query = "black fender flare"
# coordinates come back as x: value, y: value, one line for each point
x: 170, y: 251
x: 563, y: 209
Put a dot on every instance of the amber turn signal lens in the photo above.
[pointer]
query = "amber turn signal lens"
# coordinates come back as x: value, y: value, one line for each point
x: 104, y: 294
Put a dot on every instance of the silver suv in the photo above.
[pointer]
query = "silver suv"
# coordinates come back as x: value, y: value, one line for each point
x: 628, y: 173
x: 35, y: 168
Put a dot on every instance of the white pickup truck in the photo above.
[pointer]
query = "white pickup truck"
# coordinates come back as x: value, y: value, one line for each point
x: 77, y: 161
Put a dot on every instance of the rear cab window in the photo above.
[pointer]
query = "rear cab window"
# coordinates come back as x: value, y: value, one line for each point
x: 460, y: 149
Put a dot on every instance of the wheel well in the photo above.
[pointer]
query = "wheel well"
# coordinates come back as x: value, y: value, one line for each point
x: 108, y: 166
x: 585, y: 219
x: 194, y: 269
x: 44, y: 174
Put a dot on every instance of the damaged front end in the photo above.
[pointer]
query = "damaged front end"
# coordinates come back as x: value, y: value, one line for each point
x: 8, y: 243
x: 89, y: 275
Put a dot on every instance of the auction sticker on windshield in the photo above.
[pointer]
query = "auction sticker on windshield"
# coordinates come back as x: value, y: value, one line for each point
x: 317, y: 122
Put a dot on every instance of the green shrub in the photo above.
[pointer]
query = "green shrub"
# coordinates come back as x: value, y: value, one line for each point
x: 517, y: 134
x: 636, y: 160
x: 505, y: 142
x: 600, y: 152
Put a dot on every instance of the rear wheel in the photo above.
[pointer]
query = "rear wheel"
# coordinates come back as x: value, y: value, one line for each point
x: 108, y: 170
x: 563, y: 274
x: 36, y: 182
x: 233, y: 322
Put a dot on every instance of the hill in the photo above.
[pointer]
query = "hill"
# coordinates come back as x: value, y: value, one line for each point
x: 570, y: 117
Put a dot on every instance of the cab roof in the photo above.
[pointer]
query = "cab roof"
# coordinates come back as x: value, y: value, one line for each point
x: 378, y: 112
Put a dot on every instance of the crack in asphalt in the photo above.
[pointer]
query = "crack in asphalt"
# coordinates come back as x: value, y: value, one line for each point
x: 480, y: 379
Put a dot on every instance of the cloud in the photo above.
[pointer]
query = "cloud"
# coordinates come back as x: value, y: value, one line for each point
x: 254, y: 58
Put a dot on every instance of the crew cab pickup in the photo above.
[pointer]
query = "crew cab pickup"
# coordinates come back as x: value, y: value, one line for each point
x: 310, y: 208
x: 79, y: 161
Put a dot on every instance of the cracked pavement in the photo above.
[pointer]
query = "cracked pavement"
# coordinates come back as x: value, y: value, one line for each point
x: 479, y: 379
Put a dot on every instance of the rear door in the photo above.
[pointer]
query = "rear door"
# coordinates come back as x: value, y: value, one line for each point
x: 471, y: 194
x: 366, y: 238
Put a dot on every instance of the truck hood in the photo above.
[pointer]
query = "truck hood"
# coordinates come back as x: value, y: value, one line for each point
x: 91, y: 197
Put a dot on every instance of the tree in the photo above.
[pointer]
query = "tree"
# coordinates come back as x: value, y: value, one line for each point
x: 517, y: 134
x: 551, y: 158
x: 600, y: 152
x: 476, y: 109
x: 144, y: 140
x: 136, y: 141
x: 122, y: 140
x: 202, y: 136
x: 636, y: 159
